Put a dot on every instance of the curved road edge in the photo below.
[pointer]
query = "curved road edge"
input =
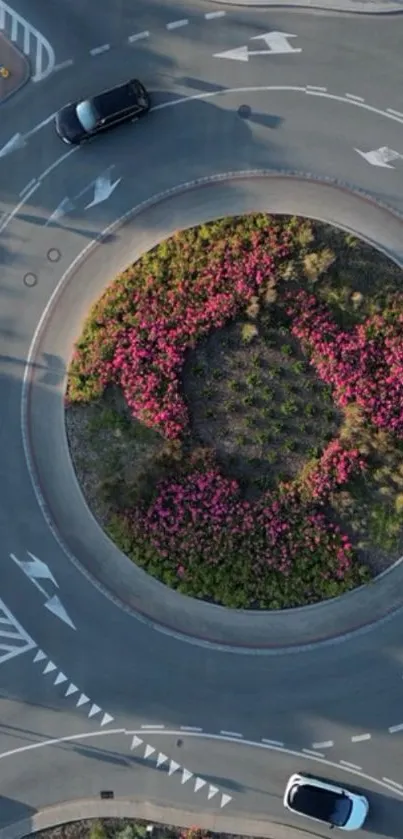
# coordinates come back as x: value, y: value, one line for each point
x: 357, y: 7
x: 62, y: 503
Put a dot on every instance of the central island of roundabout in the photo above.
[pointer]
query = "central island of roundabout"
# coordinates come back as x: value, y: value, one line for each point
x: 233, y: 407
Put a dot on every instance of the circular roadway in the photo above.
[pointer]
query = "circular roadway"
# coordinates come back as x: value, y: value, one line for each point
x: 339, y: 701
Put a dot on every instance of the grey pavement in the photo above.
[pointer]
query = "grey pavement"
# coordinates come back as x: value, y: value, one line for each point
x: 341, y: 700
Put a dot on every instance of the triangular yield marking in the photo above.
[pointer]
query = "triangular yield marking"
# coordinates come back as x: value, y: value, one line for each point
x: 149, y: 750
x: 136, y: 742
x: 49, y: 667
x: 161, y: 759
x: 95, y: 709
x: 39, y: 656
x: 71, y: 689
x: 199, y: 784
x: 173, y: 767
x: 106, y: 718
x: 82, y: 700
x: 186, y: 775
x: 212, y: 791
x: 225, y: 799
x: 60, y: 678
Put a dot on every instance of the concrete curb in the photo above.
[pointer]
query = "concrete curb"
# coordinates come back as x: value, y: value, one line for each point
x: 72, y: 811
x: 47, y: 449
x: 356, y: 7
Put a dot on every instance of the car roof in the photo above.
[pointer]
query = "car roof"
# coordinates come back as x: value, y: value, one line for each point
x: 313, y: 801
x: 116, y: 99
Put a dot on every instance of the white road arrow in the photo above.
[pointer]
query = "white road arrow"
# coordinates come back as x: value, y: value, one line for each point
x: 35, y: 569
x: 276, y: 41
x: 103, y: 189
x: 380, y: 157
x: 64, y: 207
x: 16, y: 142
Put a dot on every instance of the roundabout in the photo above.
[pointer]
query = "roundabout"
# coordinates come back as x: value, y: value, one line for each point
x: 82, y: 624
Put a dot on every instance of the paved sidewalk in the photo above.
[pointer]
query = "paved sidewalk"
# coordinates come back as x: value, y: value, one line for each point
x: 366, y: 7
x: 17, y: 65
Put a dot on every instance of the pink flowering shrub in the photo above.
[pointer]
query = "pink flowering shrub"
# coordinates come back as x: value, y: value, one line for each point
x: 211, y: 543
x: 364, y: 365
x: 335, y: 467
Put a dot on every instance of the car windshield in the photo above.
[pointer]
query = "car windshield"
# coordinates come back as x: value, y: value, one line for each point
x: 342, y: 810
x: 87, y: 115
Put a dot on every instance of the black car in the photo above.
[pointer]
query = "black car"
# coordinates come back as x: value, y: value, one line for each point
x: 79, y: 121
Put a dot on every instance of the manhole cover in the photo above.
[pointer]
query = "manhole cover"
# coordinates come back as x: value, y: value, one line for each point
x: 244, y: 111
x: 54, y: 255
x: 30, y: 279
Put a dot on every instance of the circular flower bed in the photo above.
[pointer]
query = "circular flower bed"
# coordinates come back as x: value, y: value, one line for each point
x: 246, y: 377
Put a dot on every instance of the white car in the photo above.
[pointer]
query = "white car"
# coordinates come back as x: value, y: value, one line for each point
x: 324, y: 802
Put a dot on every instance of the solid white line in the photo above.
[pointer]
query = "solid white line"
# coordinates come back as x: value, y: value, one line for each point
x: 230, y: 733
x: 358, y: 738
x: 354, y: 98
x: 132, y: 38
x: 311, y: 752
x: 314, y: 87
x: 99, y: 50
x: 394, y: 783
x: 174, y: 732
x: 211, y: 15
x: 190, y: 728
x: 153, y: 727
x: 325, y: 745
x: 351, y: 765
x: 394, y: 728
x: 56, y: 163
x: 273, y: 742
x: 14, y: 28
x: 27, y: 187
x: 177, y: 23
x: 395, y: 113
x: 63, y: 65
x: 26, y: 40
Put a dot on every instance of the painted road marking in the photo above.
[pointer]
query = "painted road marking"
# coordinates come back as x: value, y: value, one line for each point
x: 63, y: 65
x: 327, y: 744
x: 277, y: 43
x: 72, y: 738
x: 176, y: 24
x: 351, y: 765
x: 359, y: 738
x: 394, y: 728
x: 16, y: 142
x: 394, y: 113
x: 35, y: 569
x: 211, y: 15
x: 174, y: 767
x: 311, y: 752
x: 60, y: 678
x: 380, y: 157
x: 354, y: 98
x: 190, y: 728
x: 100, y: 50
x: 394, y: 783
x: 316, y: 87
x: 138, y: 37
x: 14, y: 640
x: 231, y: 734
x: 103, y: 188
x: 31, y: 42
x: 277, y: 743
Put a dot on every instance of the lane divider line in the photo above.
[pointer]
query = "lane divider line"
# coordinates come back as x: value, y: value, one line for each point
x: 190, y: 728
x: 63, y: 65
x: 351, y: 765
x: 394, y: 113
x: 311, y: 752
x: 359, y: 738
x: 394, y: 783
x: 394, y: 728
x: 277, y: 743
x: 27, y: 188
x: 315, y: 87
x: 327, y: 744
x: 153, y: 727
x: 355, y: 98
x: 176, y: 24
x: 211, y: 15
x: 138, y: 36
x: 100, y: 50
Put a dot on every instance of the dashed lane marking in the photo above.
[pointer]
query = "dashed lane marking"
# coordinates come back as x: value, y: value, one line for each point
x: 138, y: 36
x: 176, y: 24
x: 327, y: 744
x: 359, y: 738
x: 211, y: 15
x: 394, y: 783
x: 351, y: 765
x: 394, y: 728
x: 315, y: 87
x: 312, y: 752
x: 354, y: 98
x: 394, y: 113
x: 100, y: 50
x: 231, y: 733
x: 277, y: 743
